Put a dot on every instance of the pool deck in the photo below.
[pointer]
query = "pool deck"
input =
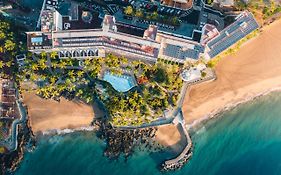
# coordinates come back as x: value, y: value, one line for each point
x: 126, y: 75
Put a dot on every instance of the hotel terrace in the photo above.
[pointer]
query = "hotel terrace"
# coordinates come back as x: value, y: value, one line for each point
x: 81, y: 34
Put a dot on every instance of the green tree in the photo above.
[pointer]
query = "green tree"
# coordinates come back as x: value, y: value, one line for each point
x: 129, y: 10
x: 210, y: 2
x: 154, y: 15
x: 53, y: 55
x: 9, y: 45
x: 139, y: 13
x: 160, y: 75
x: 1, y: 64
x: 2, y: 150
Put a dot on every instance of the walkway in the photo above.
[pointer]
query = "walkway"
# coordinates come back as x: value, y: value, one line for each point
x: 12, y: 142
x: 14, y: 136
x: 184, y: 156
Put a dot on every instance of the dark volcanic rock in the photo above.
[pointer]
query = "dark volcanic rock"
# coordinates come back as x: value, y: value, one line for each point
x: 124, y: 141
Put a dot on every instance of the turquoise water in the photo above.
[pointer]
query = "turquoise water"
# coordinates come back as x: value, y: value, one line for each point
x: 245, y: 141
x: 121, y: 83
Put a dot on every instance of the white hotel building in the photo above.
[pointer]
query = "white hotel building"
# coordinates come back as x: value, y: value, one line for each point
x: 77, y: 36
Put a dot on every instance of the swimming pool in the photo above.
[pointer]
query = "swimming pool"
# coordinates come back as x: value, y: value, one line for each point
x: 37, y: 40
x: 121, y: 83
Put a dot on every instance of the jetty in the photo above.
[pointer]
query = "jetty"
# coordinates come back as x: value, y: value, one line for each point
x: 184, y: 156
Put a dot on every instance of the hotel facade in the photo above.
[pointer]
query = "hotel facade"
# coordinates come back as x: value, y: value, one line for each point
x: 72, y: 36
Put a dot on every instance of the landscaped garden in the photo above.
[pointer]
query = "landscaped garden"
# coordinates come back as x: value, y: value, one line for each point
x: 157, y: 86
x: 8, y: 48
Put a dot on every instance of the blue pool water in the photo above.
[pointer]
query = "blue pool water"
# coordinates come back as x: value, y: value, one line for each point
x: 245, y: 141
x: 37, y: 40
x: 121, y: 83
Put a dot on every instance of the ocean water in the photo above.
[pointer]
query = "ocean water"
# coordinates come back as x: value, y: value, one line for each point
x: 244, y: 141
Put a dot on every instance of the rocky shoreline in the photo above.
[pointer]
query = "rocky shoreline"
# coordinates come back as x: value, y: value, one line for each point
x: 119, y: 142
x: 124, y: 142
x: 9, y: 162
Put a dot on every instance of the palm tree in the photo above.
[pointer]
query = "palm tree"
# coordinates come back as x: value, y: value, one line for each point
x: 71, y: 73
x: 53, y: 80
x: 79, y: 92
x: 9, y: 63
x: 139, y: 13
x: 53, y: 55
x: 135, y: 95
x: 9, y: 45
x: 1, y: 64
x: 42, y: 63
x: 87, y: 62
x: 43, y: 54
x: 129, y: 10
x: 62, y: 64
x: 136, y: 63
x: 154, y: 15
x: 80, y: 73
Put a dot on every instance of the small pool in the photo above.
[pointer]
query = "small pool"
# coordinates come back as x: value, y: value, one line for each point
x: 37, y: 40
x: 121, y: 83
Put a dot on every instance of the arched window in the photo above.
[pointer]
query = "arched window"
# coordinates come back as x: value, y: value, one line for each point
x: 61, y: 54
x: 91, y: 53
x: 83, y: 53
x: 76, y: 54
x: 96, y: 52
x: 68, y: 54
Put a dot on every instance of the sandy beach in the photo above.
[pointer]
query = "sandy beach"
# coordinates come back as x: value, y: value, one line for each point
x: 169, y: 135
x: 48, y: 115
x: 255, y: 69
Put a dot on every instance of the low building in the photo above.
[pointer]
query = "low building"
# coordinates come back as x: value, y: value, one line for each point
x: 193, y: 74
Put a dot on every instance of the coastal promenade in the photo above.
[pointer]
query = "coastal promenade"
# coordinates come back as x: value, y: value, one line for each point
x: 176, y: 118
x: 23, y: 117
x: 12, y: 142
x: 184, y: 156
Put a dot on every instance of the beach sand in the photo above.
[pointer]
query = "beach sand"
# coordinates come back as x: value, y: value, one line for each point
x: 253, y: 70
x: 49, y: 114
x: 169, y: 135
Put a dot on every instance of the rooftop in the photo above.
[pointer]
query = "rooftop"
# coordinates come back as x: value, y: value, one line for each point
x: 225, y: 3
x: 47, y: 21
x: 80, y: 19
x: 245, y: 23
x: 39, y: 40
x: 186, y: 38
x: 180, y: 52
x: 185, y: 29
